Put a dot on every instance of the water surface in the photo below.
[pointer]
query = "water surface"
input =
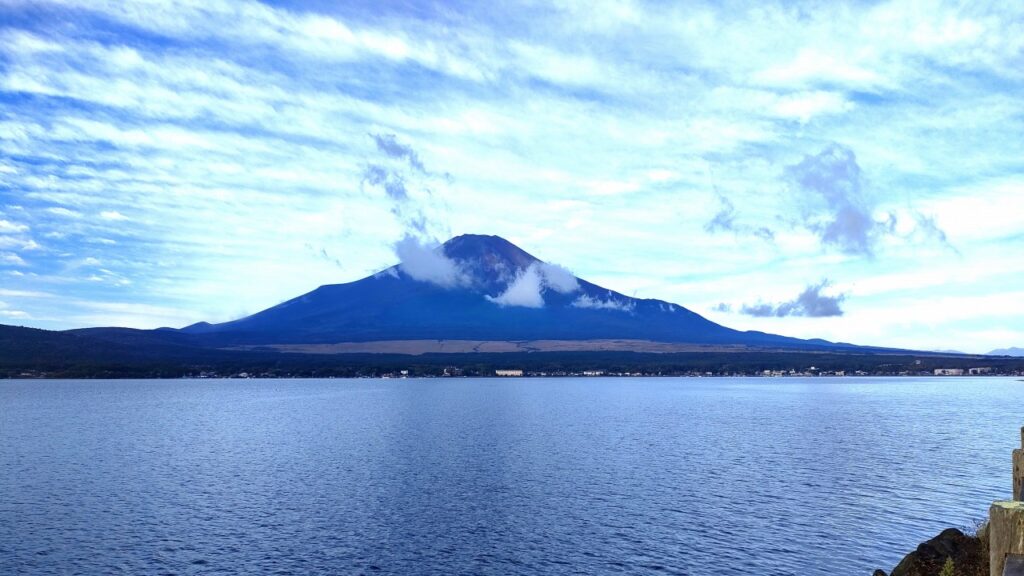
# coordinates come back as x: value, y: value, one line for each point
x: 487, y: 476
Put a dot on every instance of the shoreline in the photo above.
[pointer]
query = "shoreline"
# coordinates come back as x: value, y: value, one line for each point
x: 522, y: 377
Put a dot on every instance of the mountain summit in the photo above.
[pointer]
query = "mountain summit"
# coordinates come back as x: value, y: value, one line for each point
x: 477, y: 288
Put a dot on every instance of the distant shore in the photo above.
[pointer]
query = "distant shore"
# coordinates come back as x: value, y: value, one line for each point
x: 398, y: 376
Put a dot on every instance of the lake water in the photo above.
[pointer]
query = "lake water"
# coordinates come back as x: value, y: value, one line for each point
x: 487, y: 476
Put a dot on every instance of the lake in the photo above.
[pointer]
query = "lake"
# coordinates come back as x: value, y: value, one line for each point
x: 496, y: 476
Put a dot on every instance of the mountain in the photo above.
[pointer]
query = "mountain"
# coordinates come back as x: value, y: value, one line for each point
x: 470, y: 306
x: 1012, y: 351
x: 477, y: 288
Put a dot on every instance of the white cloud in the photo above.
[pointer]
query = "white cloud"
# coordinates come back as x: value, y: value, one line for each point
x: 65, y: 212
x: 24, y: 293
x: 426, y: 262
x: 662, y: 175
x: 812, y: 67
x: 8, y: 227
x: 142, y: 315
x: 12, y: 259
x: 558, y: 278
x: 806, y: 105
x: 984, y: 210
x: 112, y: 215
x: 313, y: 36
x: 524, y: 290
x: 11, y: 242
x: 527, y: 288
x: 609, y: 303
x: 612, y: 187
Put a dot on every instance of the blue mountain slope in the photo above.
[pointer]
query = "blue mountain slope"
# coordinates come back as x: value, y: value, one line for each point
x: 392, y: 305
x: 1012, y: 351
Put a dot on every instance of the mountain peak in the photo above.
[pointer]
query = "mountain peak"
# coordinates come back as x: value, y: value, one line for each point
x: 492, y: 261
x: 486, y: 249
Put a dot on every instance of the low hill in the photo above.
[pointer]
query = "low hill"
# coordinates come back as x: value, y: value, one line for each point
x: 1013, y: 351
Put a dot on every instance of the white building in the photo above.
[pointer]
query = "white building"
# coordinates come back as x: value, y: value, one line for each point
x: 508, y: 372
x: 949, y: 371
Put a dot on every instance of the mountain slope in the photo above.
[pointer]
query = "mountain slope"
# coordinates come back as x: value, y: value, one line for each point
x: 499, y: 292
x: 1012, y: 351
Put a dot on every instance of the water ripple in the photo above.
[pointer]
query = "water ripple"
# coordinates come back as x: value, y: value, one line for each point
x: 574, y: 476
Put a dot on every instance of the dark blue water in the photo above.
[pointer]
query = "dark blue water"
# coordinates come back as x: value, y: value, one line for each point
x: 542, y: 476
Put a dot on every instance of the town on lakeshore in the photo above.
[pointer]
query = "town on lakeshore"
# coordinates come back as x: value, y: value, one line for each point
x: 451, y: 371
x: 482, y: 371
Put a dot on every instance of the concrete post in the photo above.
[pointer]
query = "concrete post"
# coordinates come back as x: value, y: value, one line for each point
x: 1005, y: 533
x: 1006, y: 520
x: 1018, y: 475
x: 1018, y: 469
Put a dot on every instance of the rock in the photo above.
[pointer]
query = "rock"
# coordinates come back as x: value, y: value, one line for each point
x: 967, y: 553
x: 879, y: 573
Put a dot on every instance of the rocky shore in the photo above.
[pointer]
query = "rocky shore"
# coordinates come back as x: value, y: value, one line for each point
x: 997, y: 548
x: 968, y: 555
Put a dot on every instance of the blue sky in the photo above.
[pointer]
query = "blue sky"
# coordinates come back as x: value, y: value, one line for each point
x: 851, y: 171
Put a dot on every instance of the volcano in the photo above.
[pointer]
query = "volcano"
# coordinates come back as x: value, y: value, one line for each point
x: 479, y: 290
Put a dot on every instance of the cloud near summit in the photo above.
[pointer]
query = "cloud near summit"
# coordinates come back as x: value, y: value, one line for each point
x: 426, y: 262
x: 418, y: 251
x: 527, y: 288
